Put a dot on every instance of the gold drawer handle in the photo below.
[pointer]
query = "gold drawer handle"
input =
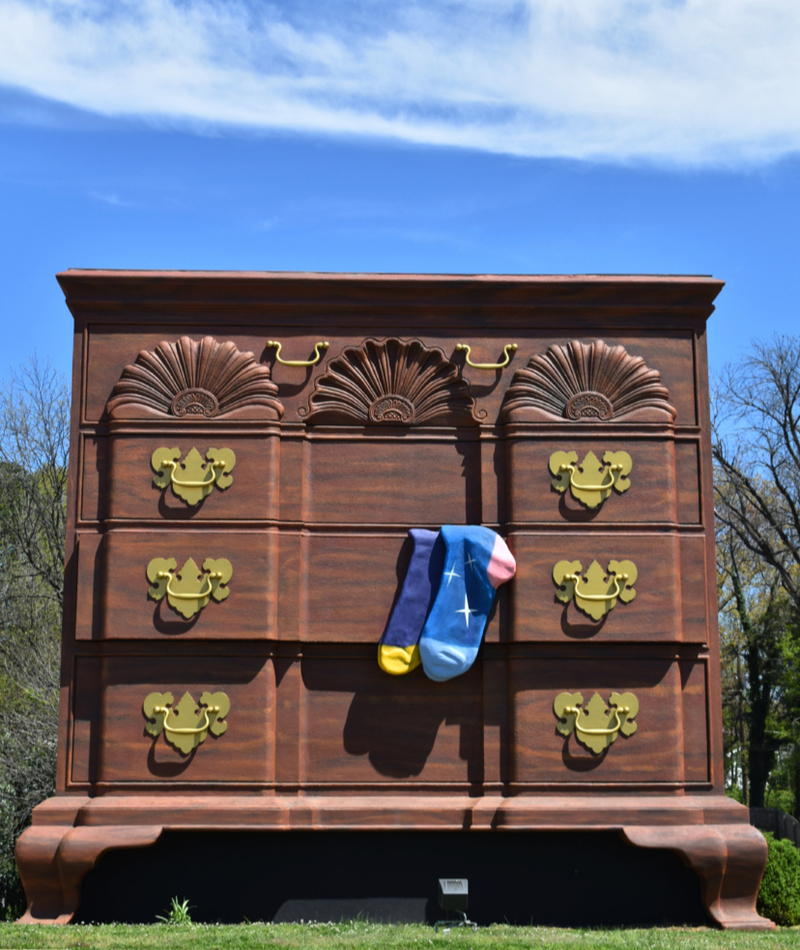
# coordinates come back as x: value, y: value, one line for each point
x: 508, y: 349
x: 596, y: 727
x: 602, y: 487
x: 203, y: 593
x: 194, y: 484
x: 214, y: 707
x: 582, y: 730
x: 613, y: 475
x: 202, y: 474
x: 322, y: 345
x: 196, y: 586
x: 600, y: 598
x: 595, y: 591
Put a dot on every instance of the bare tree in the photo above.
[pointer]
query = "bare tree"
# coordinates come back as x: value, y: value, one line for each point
x: 34, y: 447
x: 756, y: 450
x: 757, y: 456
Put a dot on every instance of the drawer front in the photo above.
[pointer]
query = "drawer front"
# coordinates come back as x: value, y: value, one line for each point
x: 340, y: 587
x: 670, y: 742
x: 253, y: 493
x: 670, y: 594
x: 394, y: 481
x: 111, y: 744
x: 128, y: 612
x: 358, y: 724
x: 650, y: 497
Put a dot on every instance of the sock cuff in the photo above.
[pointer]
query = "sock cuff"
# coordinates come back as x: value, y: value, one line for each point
x: 502, y: 565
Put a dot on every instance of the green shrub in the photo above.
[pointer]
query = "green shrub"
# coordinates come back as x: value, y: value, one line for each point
x: 779, y: 896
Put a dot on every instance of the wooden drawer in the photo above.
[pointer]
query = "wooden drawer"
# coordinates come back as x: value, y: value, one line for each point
x: 126, y: 612
x: 339, y: 587
x: 670, y: 743
x: 651, y: 496
x: 392, y: 479
x: 670, y: 602
x: 110, y: 743
x: 131, y: 493
x: 357, y: 724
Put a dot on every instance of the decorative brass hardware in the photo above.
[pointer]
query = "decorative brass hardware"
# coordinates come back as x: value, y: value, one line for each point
x: 188, y: 590
x: 322, y: 345
x: 595, y: 726
x: 508, y: 349
x: 193, y: 479
x: 186, y: 730
x: 590, y: 482
x: 596, y: 593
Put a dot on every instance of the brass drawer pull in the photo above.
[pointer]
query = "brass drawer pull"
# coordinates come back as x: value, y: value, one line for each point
x: 508, y: 349
x: 322, y: 345
x: 202, y: 475
x: 214, y: 707
x: 601, y: 589
x: 196, y: 587
x: 203, y: 593
x: 595, y: 726
x: 613, y: 474
x: 601, y: 598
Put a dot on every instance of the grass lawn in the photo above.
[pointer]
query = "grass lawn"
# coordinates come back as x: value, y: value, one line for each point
x: 362, y: 934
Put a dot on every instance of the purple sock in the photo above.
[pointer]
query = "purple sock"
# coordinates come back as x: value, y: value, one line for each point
x: 398, y: 651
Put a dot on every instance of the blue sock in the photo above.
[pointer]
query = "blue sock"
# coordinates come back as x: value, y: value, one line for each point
x: 477, y: 562
x: 398, y: 651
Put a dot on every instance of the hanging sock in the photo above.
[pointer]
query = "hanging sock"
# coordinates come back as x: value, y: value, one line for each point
x: 398, y: 650
x: 477, y: 562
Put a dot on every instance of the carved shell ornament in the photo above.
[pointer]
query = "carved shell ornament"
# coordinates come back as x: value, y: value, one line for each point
x: 587, y: 382
x: 195, y: 380
x: 391, y: 382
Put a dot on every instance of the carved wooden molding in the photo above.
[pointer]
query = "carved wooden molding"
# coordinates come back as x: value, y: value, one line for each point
x: 587, y: 382
x: 391, y: 382
x: 195, y: 380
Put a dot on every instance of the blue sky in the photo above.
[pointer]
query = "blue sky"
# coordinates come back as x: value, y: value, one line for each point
x: 471, y: 136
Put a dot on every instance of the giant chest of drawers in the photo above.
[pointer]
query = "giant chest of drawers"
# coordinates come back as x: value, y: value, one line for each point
x: 296, y: 543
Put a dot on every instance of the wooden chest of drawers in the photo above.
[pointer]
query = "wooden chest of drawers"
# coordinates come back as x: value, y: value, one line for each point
x: 392, y: 428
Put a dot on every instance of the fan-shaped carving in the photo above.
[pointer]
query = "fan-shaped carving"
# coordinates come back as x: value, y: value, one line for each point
x: 195, y: 380
x: 391, y: 382
x: 587, y: 382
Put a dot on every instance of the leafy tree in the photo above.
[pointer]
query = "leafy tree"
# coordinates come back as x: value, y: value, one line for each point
x: 34, y: 446
x: 757, y: 623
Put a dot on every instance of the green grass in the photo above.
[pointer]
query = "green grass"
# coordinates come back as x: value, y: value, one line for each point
x: 363, y: 935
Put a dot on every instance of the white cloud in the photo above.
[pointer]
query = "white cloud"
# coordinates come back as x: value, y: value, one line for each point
x: 681, y: 81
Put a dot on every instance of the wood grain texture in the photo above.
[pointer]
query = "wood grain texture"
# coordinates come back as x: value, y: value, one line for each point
x: 654, y: 753
x: 253, y: 495
x: 655, y: 614
x: 329, y: 478
x: 243, y: 753
x: 533, y: 499
x: 114, y: 575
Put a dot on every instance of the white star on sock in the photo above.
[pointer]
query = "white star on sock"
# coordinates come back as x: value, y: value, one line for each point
x: 471, y: 562
x: 451, y: 574
x: 466, y: 610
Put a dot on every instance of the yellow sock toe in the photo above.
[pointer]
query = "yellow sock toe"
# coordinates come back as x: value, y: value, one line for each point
x: 398, y: 660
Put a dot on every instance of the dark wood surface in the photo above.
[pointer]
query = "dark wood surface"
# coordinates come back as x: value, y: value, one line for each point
x: 390, y: 430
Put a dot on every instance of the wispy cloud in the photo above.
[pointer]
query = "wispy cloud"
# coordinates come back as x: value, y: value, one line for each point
x: 110, y: 198
x: 671, y: 81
